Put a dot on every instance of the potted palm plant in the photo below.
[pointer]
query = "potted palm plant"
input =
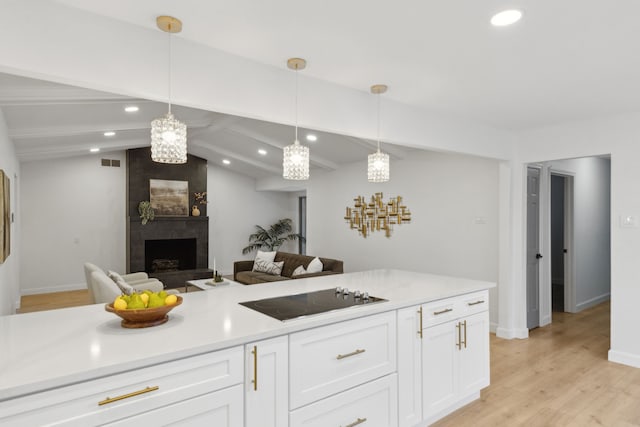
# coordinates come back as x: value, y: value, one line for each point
x: 272, y: 238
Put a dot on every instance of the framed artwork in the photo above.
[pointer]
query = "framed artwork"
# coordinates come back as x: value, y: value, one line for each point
x: 169, y: 198
x: 5, y: 216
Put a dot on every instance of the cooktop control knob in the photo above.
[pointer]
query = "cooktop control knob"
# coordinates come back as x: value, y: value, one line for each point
x: 338, y: 290
x: 365, y: 296
x: 356, y: 294
x: 345, y: 291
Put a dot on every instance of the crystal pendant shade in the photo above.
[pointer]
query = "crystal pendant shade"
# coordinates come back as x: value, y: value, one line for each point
x: 378, y: 168
x: 295, y: 162
x: 168, y: 140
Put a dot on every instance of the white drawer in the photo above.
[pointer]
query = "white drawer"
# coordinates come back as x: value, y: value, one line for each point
x: 372, y: 405
x: 436, y: 312
x: 330, y: 359
x: 476, y: 302
x: 78, y: 404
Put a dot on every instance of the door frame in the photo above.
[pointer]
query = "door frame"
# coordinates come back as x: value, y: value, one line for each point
x: 541, y: 187
x: 569, y: 260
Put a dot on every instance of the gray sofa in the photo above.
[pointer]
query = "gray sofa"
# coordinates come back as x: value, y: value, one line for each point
x: 242, y: 269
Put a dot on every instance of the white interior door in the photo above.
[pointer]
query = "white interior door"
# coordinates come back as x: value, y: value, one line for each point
x: 533, y: 247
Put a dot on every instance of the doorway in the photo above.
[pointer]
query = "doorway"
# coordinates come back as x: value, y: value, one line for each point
x: 533, y: 247
x: 561, y: 241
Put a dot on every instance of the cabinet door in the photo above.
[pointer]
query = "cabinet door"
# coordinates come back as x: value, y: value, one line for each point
x: 474, y: 358
x: 409, y: 366
x: 440, y: 358
x: 222, y: 408
x: 266, y: 383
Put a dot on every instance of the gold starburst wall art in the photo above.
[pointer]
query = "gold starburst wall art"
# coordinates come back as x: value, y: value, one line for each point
x: 376, y: 215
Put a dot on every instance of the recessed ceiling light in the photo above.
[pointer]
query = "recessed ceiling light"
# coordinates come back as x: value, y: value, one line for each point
x: 109, y: 133
x: 94, y: 150
x: 311, y: 137
x: 226, y: 162
x: 262, y: 152
x: 506, y: 17
x: 131, y: 108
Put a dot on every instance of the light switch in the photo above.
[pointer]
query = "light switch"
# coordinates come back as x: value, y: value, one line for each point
x: 628, y: 221
x: 479, y: 220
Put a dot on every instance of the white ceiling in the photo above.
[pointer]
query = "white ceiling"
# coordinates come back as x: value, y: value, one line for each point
x: 49, y: 120
x: 565, y: 60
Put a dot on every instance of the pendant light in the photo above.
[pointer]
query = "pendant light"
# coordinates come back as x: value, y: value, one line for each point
x: 378, y: 165
x: 295, y: 159
x: 168, y: 134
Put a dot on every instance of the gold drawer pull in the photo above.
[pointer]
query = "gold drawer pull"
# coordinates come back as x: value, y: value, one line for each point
x: 128, y: 395
x: 356, y: 422
x: 446, y: 310
x: 353, y: 353
x: 476, y: 303
x: 420, y: 331
x: 255, y: 367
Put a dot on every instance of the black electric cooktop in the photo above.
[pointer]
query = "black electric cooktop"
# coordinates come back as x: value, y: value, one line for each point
x: 300, y: 305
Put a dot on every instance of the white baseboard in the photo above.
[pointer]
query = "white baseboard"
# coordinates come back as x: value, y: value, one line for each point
x: 592, y: 302
x: 50, y: 289
x: 493, y: 327
x: 624, y: 358
x: 510, y: 334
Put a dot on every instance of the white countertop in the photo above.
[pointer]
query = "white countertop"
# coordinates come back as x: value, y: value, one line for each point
x: 53, y: 348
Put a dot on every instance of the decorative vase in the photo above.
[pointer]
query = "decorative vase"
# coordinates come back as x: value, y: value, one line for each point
x: 195, y: 211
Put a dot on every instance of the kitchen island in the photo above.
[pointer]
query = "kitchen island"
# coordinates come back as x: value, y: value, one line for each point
x: 208, y: 357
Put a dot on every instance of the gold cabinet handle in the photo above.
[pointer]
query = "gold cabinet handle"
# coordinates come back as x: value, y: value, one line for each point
x: 356, y: 422
x: 465, y: 333
x: 476, y: 303
x: 255, y: 367
x: 446, y: 310
x: 353, y: 353
x: 128, y: 395
x: 420, y: 313
x: 459, y: 343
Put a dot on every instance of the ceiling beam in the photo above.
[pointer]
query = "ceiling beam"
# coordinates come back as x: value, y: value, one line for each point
x: 314, y: 159
x: 73, y: 130
x: 34, y: 96
x: 216, y: 126
x: 231, y: 155
x: 394, y: 153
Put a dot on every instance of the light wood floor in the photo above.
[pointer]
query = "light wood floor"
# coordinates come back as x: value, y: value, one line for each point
x: 560, y: 376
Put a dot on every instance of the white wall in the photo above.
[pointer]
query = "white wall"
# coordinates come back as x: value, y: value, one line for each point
x: 234, y: 208
x: 592, y: 227
x: 9, y: 271
x: 446, y: 194
x: 618, y: 136
x: 73, y: 211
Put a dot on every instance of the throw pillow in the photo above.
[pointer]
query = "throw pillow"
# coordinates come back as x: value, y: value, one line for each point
x: 125, y: 288
x: 273, y: 268
x: 264, y: 257
x: 298, y: 271
x: 315, y: 266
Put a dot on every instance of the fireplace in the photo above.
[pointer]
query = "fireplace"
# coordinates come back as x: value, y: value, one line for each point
x: 165, y: 255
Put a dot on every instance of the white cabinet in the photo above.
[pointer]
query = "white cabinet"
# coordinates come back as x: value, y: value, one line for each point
x: 450, y: 357
x: 266, y: 383
x: 373, y: 404
x: 409, y: 366
x: 221, y: 408
x: 199, y: 386
x: 331, y: 359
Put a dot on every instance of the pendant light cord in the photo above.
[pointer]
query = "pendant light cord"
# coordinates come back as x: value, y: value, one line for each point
x: 296, y: 105
x: 169, y: 34
x: 378, y: 126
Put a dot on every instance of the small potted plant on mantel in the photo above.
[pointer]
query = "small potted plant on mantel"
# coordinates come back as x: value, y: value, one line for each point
x: 146, y: 211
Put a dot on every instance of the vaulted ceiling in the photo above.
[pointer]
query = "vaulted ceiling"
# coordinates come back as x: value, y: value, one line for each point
x: 49, y: 120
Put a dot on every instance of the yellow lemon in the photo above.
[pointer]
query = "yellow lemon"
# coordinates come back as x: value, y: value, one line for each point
x: 145, y: 299
x: 171, y: 299
x: 119, y: 304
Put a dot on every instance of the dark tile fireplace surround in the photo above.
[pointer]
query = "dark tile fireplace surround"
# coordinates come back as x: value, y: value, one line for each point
x: 178, y: 245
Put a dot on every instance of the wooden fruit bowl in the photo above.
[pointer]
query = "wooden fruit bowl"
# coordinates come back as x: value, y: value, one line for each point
x: 144, y: 317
